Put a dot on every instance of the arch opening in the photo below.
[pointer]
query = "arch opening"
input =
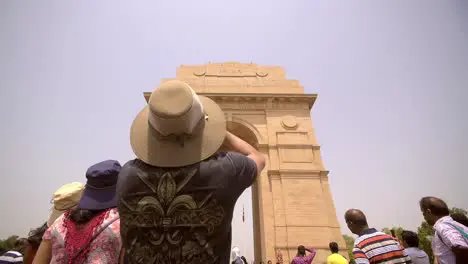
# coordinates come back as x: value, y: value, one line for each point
x: 246, y: 221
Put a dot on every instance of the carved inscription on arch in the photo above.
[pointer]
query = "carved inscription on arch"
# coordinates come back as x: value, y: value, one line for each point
x: 263, y: 104
x: 229, y: 69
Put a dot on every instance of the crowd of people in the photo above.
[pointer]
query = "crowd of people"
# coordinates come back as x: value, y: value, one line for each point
x: 174, y: 203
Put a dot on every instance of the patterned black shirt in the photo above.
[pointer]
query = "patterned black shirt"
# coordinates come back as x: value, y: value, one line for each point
x: 181, y: 215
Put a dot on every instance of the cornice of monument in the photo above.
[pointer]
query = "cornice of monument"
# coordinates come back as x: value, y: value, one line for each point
x: 297, y: 173
x: 258, y: 100
x: 245, y: 86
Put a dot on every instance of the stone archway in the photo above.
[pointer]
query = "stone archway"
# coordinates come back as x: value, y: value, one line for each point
x: 294, y: 203
x: 247, y: 132
x: 244, y: 131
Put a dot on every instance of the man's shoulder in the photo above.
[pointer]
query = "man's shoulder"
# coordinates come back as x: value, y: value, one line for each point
x: 219, y: 166
x: 136, y: 166
x: 130, y: 169
x: 337, y: 258
x: 331, y: 257
x: 364, y: 239
x: 232, y: 162
x: 221, y: 158
x: 443, y: 223
x: 372, y: 234
x: 414, y: 251
x: 448, y: 222
x: 129, y: 166
x: 228, y: 157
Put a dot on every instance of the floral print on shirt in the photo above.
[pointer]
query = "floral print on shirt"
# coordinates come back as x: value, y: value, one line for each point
x: 104, y: 249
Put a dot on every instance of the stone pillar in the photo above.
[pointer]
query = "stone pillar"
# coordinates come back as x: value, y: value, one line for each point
x: 303, y: 210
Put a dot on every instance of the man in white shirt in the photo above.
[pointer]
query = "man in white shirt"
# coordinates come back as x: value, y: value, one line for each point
x: 449, y: 237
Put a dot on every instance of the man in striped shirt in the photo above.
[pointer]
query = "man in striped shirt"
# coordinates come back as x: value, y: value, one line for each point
x: 372, y: 246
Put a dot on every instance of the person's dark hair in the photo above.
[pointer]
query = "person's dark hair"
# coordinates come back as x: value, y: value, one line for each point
x: 435, y: 205
x: 35, y: 236
x: 20, y: 245
x: 81, y: 216
x: 460, y: 218
x: 333, y: 247
x: 300, y: 250
x: 410, y: 238
x: 244, y: 260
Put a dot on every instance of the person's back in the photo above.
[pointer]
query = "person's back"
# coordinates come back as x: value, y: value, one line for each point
x: 182, y: 215
x: 336, y: 258
x: 105, y: 248
x: 373, y: 246
x: 306, y: 259
x: 378, y: 247
x: 302, y: 257
x: 417, y: 255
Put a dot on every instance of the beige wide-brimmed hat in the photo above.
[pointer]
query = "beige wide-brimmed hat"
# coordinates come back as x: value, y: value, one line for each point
x: 65, y: 198
x: 177, y: 127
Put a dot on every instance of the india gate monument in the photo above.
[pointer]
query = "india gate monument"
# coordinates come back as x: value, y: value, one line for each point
x: 291, y: 199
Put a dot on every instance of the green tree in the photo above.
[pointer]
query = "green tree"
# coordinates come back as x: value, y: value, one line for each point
x: 349, y: 245
x: 456, y: 210
x: 398, y: 231
x: 8, y: 244
x: 425, y: 235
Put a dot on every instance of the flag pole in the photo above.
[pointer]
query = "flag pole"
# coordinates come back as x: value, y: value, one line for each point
x: 243, y: 226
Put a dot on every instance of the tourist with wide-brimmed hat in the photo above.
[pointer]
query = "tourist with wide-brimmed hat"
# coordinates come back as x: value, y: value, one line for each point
x: 64, y: 198
x: 89, y: 233
x: 176, y: 199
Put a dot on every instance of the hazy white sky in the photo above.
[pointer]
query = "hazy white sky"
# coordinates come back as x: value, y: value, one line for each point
x: 392, y: 79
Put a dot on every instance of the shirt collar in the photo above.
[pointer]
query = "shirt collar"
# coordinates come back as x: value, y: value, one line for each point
x: 442, y: 219
x: 369, y: 231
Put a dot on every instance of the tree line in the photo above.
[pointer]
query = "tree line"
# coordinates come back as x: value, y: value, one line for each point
x: 9, y: 244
